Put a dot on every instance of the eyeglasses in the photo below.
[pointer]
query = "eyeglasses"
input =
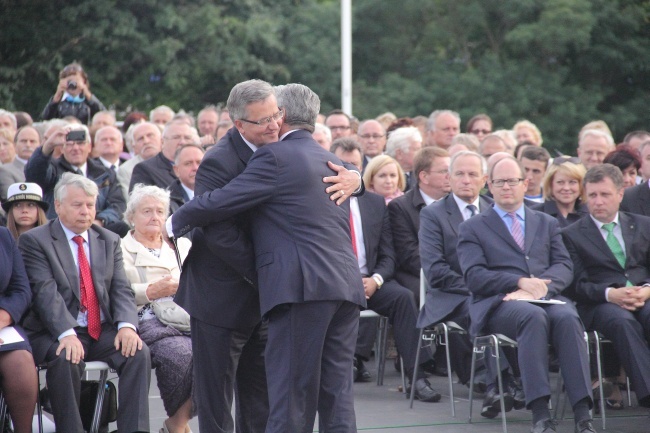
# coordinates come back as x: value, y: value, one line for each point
x: 480, y: 131
x: 265, y: 121
x: 438, y: 172
x: 374, y: 136
x: 339, y: 128
x: 562, y: 159
x: 511, y: 182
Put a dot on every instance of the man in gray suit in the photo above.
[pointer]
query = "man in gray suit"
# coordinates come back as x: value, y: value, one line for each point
x: 27, y: 140
x: 83, y: 310
x: 513, y: 253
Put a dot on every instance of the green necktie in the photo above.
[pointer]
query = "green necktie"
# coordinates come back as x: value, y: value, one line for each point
x: 615, y: 246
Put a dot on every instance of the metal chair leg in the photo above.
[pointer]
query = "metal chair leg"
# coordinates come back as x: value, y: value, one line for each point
x: 415, y: 368
x: 445, y: 329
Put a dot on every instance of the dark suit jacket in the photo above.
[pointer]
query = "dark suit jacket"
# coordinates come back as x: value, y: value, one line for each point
x: 54, y: 279
x: 493, y: 263
x: 157, y: 171
x: 177, y: 196
x: 302, y: 239
x: 637, y: 199
x: 549, y: 207
x: 404, y: 215
x: 218, y: 283
x: 594, y: 266
x: 377, y: 237
x: 15, y: 294
x: 46, y: 171
x: 438, y: 240
x: 10, y: 173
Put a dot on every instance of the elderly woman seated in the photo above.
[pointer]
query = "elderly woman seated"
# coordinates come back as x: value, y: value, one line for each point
x: 153, y: 271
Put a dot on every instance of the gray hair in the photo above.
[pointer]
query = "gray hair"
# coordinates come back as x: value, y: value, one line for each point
x: 431, y: 121
x: 139, y: 193
x: 11, y: 116
x: 467, y: 153
x: 76, y: 180
x: 319, y: 127
x: 598, y: 134
x: 401, y: 138
x: 301, y: 105
x: 161, y: 109
x: 177, y: 155
x: 246, y: 93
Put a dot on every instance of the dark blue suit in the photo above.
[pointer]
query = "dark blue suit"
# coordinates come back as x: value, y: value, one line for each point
x: 309, y: 280
x: 492, y: 264
x: 596, y: 269
x: 218, y: 289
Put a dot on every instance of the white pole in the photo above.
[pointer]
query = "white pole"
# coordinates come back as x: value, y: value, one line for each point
x: 346, y: 56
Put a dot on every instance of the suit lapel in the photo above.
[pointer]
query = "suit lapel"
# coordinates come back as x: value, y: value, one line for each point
x: 455, y: 217
x: 97, y: 255
x: 63, y: 252
x: 645, y: 198
x: 496, y: 224
x: 592, y: 233
x: 365, y: 214
x: 532, y: 224
x: 628, y: 228
x: 241, y: 148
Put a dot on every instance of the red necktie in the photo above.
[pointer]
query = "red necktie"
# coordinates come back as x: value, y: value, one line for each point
x: 354, y: 238
x: 89, y: 301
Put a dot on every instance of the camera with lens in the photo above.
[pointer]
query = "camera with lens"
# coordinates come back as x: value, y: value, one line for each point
x: 72, y: 85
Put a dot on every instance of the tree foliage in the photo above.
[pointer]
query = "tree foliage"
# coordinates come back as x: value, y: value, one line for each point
x: 558, y: 63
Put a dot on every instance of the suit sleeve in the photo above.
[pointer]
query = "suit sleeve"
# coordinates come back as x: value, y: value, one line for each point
x: 255, y: 185
x: 140, y: 175
x: 481, y: 280
x: 560, y: 271
x: 407, y: 253
x: 385, y: 255
x: 40, y: 170
x: 48, y: 303
x: 434, y: 260
x: 17, y: 296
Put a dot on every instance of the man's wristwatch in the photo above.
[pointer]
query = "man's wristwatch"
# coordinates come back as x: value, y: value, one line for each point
x: 378, y: 279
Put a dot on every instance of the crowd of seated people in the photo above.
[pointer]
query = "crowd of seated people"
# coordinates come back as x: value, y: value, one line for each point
x: 80, y: 174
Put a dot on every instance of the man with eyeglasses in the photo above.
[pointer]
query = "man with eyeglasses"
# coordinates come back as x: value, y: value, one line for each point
x: 372, y: 138
x: 516, y: 266
x: 339, y: 124
x: 159, y: 170
x: 219, y: 283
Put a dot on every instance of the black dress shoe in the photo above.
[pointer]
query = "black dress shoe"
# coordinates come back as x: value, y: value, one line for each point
x: 424, y: 391
x: 513, y: 385
x: 544, y: 426
x: 585, y: 426
x: 363, y: 375
x: 492, y: 403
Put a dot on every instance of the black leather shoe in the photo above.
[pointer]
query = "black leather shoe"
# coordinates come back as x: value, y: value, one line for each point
x: 363, y: 375
x: 492, y: 403
x: 424, y: 391
x: 544, y: 426
x: 585, y: 426
x: 513, y: 385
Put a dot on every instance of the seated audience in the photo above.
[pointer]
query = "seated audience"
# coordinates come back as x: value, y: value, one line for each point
x: 186, y: 164
x: 611, y: 254
x: 526, y: 130
x: 372, y: 137
x: 27, y: 140
x: 373, y: 244
x: 431, y: 168
x: 23, y: 119
x: 492, y: 144
x: 442, y: 127
x: 25, y: 208
x: 634, y: 139
x: 108, y: 145
x: 637, y: 198
x: 147, y: 142
x: 402, y: 144
x: 322, y: 135
x: 73, y: 97
x: 593, y: 146
x: 628, y: 161
x: 46, y: 171
x: 161, y: 116
x: 19, y: 385
x: 531, y: 263
x: 8, y: 120
x: 563, y: 191
x: 151, y: 268
x: 83, y: 308
x: 469, y: 141
x: 384, y: 176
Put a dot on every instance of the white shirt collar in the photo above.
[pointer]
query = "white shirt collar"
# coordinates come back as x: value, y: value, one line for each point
x: 108, y: 164
x: 69, y: 234
x: 600, y: 224
x: 427, y: 200
x: 189, y: 192
x: 462, y: 204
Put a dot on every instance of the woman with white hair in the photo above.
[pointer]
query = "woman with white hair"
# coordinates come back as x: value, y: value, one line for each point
x: 151, y: 267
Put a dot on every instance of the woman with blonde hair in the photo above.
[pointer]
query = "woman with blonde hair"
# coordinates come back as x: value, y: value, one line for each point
x: 385, y: 177
x: 563, y: 191
x: 526, y: 130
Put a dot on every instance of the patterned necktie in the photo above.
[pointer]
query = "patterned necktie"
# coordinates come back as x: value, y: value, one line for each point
x: 89, y: 301
x: 516, y: 231
x: 472, y: 210
x: 615, y: 246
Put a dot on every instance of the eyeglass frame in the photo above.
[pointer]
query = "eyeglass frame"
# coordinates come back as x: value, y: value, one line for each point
x: 266, y: 120
x: 512, y: 182
x: 373, y: 136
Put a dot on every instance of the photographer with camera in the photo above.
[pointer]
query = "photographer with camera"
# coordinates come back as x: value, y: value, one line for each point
x: 73, y: 97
